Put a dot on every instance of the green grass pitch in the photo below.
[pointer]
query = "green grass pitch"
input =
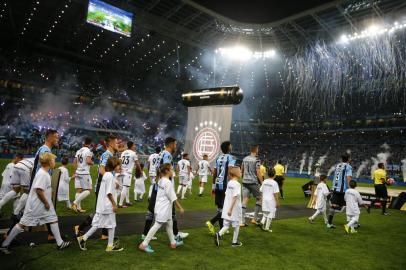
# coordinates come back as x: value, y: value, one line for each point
x: 294, y: 244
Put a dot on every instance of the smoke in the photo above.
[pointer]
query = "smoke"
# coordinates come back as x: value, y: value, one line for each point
x: 321, y: 160
x: 404, y: 169
x: 309, y: 166
x: 362, y: 167
x: 380, y: 158
x: 331, y: 170
x: 302, y: 162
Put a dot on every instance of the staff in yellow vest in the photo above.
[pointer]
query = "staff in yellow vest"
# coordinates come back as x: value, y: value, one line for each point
x: 280, y: 172
x: 381, y: 192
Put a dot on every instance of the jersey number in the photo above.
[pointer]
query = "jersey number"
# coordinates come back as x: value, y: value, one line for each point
x: 125, y: 160
x: 80, y: 158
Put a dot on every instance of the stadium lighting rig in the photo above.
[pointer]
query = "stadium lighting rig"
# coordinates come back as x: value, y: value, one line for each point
x: 372, y: 31
x: 239, y: 53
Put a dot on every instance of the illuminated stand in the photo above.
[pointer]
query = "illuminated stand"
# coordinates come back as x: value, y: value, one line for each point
x: 209, y: 120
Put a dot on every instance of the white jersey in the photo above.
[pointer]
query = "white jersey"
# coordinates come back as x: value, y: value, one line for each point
x: 269, y: 188
x: 128, y: 159
x: 26, y: 164
x: 233, y: 190
x: 164, y: 200
x: 107, y: 186
x: 81, y: 156
x: 352, y: 200
x: 34, y: 206
x: 184, y: 165
x: 153, y: 163
x: 321, y: 194
x: 203, y: 167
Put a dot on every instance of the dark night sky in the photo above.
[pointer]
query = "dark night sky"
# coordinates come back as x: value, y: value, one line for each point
x: 259, y: 11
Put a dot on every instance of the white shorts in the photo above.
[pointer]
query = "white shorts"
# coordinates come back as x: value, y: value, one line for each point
x: 203, y: 178
x: 63, y: 197
x: 183, y: 180
x: 20, y: 178
x: 127, y: 180
x: 30, y: 221
x: 231, y: 223
x: 83, y: 181
x: 107, y: 221
x: 152, y: 178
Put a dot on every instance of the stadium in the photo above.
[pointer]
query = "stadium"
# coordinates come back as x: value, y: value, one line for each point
x: 251, y: 117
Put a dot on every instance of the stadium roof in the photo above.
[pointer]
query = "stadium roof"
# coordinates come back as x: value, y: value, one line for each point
x: 60, y: 27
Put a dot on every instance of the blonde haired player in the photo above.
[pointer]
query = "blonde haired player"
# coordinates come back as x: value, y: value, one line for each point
x: 165, y: 199
x: 321, y: 193
x: 352, y: 200
x: 106, y: 207
x: 39, y: 209
x: 270, y: 200
x: 203, y: 171
x: 184, y: 170
x: 232, y: 209
x: 129, y: 159
x: 83, y: 180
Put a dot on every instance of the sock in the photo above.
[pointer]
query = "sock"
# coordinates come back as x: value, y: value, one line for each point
x: 223, y: 230
x: 221, y: 222
x: 201, y: 189
x: 14, y: 232
x: 256, y: 211
x: 169, y: 231
x: 68, y: 204
x: 21, y: 204
x: 150, y: 191
x: 244, y: 209
x: 235, y: 234
x: 89, y: 233
x: 148, y: 224
x: 268, y: 223
x: 263, y: 220
x: 315, y: 214
x: 184, y: 189
x: 175, y: 226
x: 123, y: 195
x: 325, y: 216
x: 56, y: 233
x: 383, y: 206
x: 281, y: 192
x: 217, y: 217
x: 15, y: 203
x: 141, y: 195
x: 50, y: 233
x: 81, y: 197
x: 110, y: 241
x: 331, y: 216
x: 179, y: 189
x: 76, y: 196
x: 127, y: 195
x: 135, y: 196
x: 7, y: 197
x: 352, y: 222
x: 151, y: 233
